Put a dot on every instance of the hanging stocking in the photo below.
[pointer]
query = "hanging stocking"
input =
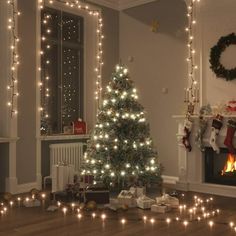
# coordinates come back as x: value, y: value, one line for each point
x: 205, y: 110
x: 200, y: 133
x: 231, y: 127
x: 187, y: 131
x: 215, y: 130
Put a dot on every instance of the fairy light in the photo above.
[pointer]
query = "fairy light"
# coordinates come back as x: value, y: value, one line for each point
x: 12, y: 86
x: 44, y: 84
x: 192, y: 92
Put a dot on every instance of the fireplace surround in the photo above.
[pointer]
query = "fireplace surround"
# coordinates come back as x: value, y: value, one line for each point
x: 192, y: 166
x: 220, y: 168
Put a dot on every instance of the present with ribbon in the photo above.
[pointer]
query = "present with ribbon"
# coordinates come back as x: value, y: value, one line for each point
x: 62, y: 175
x: 166, y: 199
x: 160, y: 208
x: 127, y: 197
x: 79, y: 127
x: 145, y: 202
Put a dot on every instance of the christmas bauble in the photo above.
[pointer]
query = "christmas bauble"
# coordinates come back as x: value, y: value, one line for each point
x: 7, y: 196
x: 34, y: 191
x: 125, y: 207
x: 82, y: 206
x: 91, y: 205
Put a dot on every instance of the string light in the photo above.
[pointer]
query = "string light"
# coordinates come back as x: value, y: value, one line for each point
x: 12, y: 86
x: 44, y: 83
x: 192, y: 92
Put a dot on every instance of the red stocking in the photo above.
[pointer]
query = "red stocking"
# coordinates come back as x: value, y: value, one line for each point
x: 230, y: 135
x: 187, y: 131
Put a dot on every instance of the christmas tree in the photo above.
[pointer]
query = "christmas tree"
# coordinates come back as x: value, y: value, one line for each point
x: 120, y: 149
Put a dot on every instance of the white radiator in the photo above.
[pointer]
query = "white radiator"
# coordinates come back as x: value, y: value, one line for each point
x: 67, y: 153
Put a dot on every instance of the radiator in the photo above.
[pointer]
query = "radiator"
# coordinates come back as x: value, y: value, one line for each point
x: 67, y: 153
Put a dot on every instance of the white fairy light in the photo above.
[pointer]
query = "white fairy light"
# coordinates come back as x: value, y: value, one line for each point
x: 192, y: 92
x: 12, y: 26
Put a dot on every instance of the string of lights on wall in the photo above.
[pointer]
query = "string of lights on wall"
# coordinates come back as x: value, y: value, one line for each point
x: 200, y: 210
x: 44, y: 82
x: 192, y: 92
x: 12, y: 83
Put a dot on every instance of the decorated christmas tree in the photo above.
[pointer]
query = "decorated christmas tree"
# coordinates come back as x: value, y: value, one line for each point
x: 120, y: 150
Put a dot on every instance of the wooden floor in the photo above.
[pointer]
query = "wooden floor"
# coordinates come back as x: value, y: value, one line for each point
x: 36, y: 221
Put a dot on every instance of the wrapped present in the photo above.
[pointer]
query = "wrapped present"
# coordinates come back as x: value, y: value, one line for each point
x: 79, y: 127
x: 68, y: 129
x: 62, y: 175
x: 145, y: 202
x: 31, y: 203
x: 127, y: 198
x: 97, y: 193
x: 160, y: 208
x: 138, y: 191
x: 173, y: 202
x: 64, y: 196
x: 114, y: 204
x: 231, y: 106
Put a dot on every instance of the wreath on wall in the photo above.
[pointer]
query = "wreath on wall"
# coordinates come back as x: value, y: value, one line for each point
x: 215, y: 55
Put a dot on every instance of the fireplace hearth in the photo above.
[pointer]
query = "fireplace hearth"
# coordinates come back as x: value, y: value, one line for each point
x: 220, y: 168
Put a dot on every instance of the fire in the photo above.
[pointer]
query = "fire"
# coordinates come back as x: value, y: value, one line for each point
x: 230, y: 165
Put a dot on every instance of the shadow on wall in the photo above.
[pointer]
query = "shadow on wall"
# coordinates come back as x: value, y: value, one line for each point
x: 168, y: 14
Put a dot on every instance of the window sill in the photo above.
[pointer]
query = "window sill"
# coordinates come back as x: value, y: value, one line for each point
x: 8, y: 140
x: 63, y: 137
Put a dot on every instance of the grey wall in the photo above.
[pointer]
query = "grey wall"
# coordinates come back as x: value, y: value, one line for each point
x: 159, y: 62
x: 26, y: 146
x: 110, y: 42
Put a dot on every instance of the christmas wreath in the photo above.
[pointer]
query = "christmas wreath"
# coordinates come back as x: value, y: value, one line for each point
x: 215, y: 55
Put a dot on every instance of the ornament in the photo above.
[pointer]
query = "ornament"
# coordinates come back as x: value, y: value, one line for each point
x: 124, y: 207
x: 34, y: 192
x: 7, y: 196
x: 91, y: 205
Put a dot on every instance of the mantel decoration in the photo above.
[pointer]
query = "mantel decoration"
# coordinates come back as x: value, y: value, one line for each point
x: 215, y: 55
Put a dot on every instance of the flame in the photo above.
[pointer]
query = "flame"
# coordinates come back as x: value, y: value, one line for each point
x: 230, y: 165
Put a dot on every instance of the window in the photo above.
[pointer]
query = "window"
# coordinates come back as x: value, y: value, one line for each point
x: 62, y: 72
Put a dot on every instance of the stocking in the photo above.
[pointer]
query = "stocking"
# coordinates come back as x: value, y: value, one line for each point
x: 200, y: 133
x: 187, y: 131
x: 215, y: 130
x: 231, y: 127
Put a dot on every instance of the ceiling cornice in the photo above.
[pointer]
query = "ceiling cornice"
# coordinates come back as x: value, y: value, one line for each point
x: 120, y: 4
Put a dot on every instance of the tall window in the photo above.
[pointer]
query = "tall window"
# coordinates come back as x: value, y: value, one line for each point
x: 61, y: 69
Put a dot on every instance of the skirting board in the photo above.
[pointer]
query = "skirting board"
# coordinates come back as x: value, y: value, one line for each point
x: 221, y: 190
x: 169, y: 179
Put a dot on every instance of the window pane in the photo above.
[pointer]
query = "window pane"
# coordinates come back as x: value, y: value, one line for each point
x: 62, y: 69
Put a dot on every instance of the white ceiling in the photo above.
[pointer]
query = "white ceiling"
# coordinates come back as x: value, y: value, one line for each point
x: 121, y: 4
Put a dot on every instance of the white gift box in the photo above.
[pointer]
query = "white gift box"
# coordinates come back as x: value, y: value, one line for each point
x: 127, y: 198
x: 138, y: 191
x: 144, y: 202
x: 160, y: 208
x: 173, y: 202
x: 61, y: 176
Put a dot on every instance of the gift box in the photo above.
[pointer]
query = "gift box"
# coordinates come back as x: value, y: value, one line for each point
x: 99, y: 194
x: 145, y: 202
x: 231, y: 106
x: 64, y: 196
x: 173, y: 202
x: 127, y: 198
x: 161, y: 208
x: 31, y: 203
x: 62, y: 175
x: 79, y: 127
x: 138, y: 191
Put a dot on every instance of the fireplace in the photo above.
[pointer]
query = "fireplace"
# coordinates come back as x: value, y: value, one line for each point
x: 220, y: 168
